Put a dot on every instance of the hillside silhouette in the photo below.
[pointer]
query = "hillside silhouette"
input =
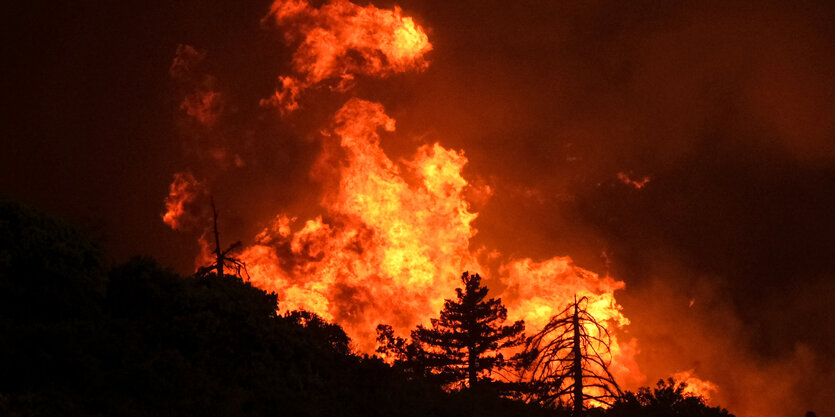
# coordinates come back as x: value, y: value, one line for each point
x: 80, y: 338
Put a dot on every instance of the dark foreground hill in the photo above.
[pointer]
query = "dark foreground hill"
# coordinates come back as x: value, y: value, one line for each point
x: 139, y: 340
x: 80, y: 339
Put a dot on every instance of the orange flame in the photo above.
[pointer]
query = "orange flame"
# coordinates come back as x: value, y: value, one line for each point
x: 388, y: 250
x: 186, y: 206
x: 696, y: 387
x: 341, y: 40
x: 393, y: 238
x: 639, y: 183
x: 538, y: 290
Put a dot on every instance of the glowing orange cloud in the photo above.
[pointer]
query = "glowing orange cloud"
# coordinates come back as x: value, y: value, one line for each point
x: 626, y: 179
x: 204, y: 106
x: 186, y: 207
x: 696, y: 387
x: 203, y: 102
x: 186, y: 59
x: 341, y: 40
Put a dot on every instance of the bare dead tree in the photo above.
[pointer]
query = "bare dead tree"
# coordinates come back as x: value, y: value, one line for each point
x: 223, y: 258
x: 568, y: 361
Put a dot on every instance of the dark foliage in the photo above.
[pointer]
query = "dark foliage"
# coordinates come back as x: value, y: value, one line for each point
x: 666, y: 399
x: 406, y: 356
x: 464, y: 344
x: 140, y: 340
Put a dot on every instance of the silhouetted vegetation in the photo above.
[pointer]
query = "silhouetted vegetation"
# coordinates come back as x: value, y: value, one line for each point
x: 465, y: 343
x: 567, y: 362
x: 78, y: 338
x: 666, y: 399
x: 223, y: 258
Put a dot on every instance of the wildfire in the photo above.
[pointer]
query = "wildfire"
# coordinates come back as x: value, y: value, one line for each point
x: 538, y: 290
x: 341, y: 40
x: 696, y: 387
x: 388, y: 250
x: 393, y: 237
x: 186, y: 205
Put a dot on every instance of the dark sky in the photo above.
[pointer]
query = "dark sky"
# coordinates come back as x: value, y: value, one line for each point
x: 728, y: 107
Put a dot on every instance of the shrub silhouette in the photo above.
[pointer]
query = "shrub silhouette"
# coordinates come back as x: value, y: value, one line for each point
x: 666, y: 399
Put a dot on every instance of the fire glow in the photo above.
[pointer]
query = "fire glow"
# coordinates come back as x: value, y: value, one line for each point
x: 340, y: 41
x: 392, y: 237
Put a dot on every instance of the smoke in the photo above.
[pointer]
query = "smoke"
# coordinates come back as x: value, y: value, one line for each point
x: 719, y: 348
x: 395, y: 235
x: 725, y: 106
x: 202, y: 101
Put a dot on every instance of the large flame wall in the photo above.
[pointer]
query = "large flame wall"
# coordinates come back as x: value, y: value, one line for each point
x: 392, y: 236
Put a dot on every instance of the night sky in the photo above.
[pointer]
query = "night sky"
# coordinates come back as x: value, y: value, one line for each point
x: 728, y: 108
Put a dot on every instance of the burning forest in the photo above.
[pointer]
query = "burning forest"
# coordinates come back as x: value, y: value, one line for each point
x: 539, y: 209
x: 392, y: 236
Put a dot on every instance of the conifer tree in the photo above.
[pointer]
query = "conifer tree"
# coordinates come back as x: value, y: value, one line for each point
x: 464, y: 344
x: 568, y: 361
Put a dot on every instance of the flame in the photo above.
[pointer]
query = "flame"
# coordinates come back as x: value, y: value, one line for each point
x: 538, y: 290
x: 638, y: 184
x: 696, y: 387
x: 390, y: 250
x: 341, y: 40
x: 186, y: 204
x: 392, y: 237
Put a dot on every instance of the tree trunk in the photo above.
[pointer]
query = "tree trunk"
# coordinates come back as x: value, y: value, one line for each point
x: 578, y: 364
x: 471, y: 366
x: 217, y: 243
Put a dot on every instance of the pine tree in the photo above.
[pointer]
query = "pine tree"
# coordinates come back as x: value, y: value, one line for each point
x: 464, y: 344
x: 568, y: 361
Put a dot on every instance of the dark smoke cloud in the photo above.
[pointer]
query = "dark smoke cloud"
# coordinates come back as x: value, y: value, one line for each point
x: 726, y: 106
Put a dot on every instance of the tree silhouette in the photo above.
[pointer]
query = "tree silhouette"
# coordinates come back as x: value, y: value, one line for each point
x: 567, y: 362
x: 222, y: 258
x: 666, y: 399
x: 465, y: 342
x: 137, y: 339
x: 406, y: 356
